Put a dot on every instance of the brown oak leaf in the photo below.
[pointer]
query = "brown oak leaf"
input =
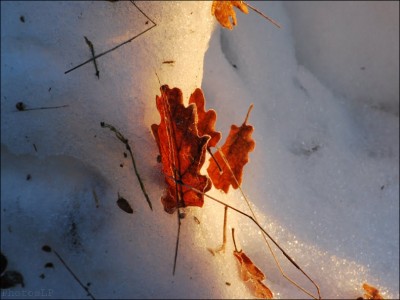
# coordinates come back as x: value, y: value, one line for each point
x: 182, y: 150
x: 371, y: 292
x: 224, y: 13
x: 206, y: 119
x: 250, y: 272
x: 236, y: 151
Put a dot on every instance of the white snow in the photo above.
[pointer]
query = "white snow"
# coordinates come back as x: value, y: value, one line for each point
x: 353, y: 47
x: 323, y: 178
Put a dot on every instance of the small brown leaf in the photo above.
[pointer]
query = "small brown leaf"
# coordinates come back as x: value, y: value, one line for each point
x: 371, y: 292
x: 248, y: 269
x: 46, y: 248
x: 236, y: 151
x: 3, y: 263
x: 10, y: 279
x: 251, y: 273
x: 224, y: 13
x: 262, y: 291
x: 124, y: 205
x: 20, y: 106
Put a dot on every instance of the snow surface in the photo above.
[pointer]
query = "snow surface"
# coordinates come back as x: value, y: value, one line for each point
x: 323, y: 178
x: 352, y: 46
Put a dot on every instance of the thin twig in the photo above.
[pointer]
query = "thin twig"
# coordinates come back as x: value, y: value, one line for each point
x: 179, y: 201
x: 90, y: 44
x: 265, y: 16
x: 222, y: 247
x: 46, y: 107
x: 128, y: 147
x: 269, y: 246
x: 116, y: 47
x: 21, y: 107
x: 159, y: 82
x: 73, y: 274
x: 233, y: 238
x: 96, y: 199
x: 154, y: 23
x: 216, y: 162
x: 177, y: 242
x: 259, y: 226
x: 224, y: 232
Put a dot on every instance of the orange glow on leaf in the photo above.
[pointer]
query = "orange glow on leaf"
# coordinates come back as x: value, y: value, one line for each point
x: 182, y: 150
x: 236, y: 151
x: 224, y: 13
x: 249, y: 272
x: 206, y: 119
x: 371, y: 292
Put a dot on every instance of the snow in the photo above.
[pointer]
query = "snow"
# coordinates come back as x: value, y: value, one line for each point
x: 323, y: 178
x: 352, y: 47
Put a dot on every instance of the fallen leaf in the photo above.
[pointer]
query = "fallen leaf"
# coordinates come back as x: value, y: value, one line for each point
x: 206, y: 119
x: 224, y: 13
x: 262, y: 291
x: 46, y: 248
x: 3, y: 263
x: 236, y: 151
x: 250, y: 272
x: 124, y: 205
x: 10, y: 279
x: 20, y: 106
x: 371, y: 292
x: 182, y: 150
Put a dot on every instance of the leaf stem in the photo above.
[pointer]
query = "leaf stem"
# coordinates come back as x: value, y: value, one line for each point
x: 222, y: 247
x: 233, y: 238
x: 248, y: 113
x: 178, y: 189
x: 177, y: 241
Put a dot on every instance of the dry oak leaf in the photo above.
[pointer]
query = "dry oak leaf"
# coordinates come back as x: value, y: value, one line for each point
x: 224, y: 13
x: 182, y: 150
x: 371, y: 292
x: 236, y: 151
x: 124, y: 205
x: 206, y: 119
x: 250, y: 272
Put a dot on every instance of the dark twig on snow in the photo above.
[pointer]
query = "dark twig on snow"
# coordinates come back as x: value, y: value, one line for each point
x: 128, y: 147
